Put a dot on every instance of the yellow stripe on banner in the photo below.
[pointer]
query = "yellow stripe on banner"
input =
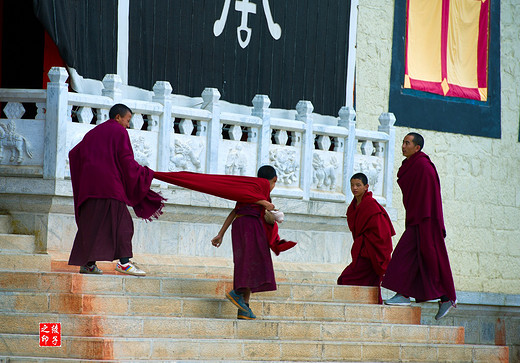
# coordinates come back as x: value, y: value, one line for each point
x: 483, y: 94
x: 462, y: 49
x: 424, y: 40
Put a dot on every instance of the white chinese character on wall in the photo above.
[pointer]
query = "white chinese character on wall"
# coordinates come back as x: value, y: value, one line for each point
x: 245, y: 7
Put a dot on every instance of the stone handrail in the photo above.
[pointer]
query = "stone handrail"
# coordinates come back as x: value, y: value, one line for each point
x: 314, y: 155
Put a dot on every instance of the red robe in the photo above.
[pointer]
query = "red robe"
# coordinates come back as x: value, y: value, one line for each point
x: 105, y: 179
x: 244, y: 189
x: 102, y: 166
x: 420, y: 267
x: 372, y: 231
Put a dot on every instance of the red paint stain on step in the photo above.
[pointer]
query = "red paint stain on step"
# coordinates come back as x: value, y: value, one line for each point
x: 500, y: 332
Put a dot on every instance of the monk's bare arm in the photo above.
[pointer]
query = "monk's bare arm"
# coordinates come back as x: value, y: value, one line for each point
x: 217, y: 240
x: 264, y: 203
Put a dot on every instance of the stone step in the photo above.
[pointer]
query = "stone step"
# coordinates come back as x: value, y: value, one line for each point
x: 176, y: 286
x: 5, y: 223
x: 210, y: 267
x: 13, y: 243
x: 17, y: 261
x: 233, y: 349
x: 175, y: 306
x: 196, y: 328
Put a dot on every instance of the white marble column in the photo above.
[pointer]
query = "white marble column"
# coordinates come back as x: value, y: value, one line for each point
x: 261, y: 109
x: 55, y: 134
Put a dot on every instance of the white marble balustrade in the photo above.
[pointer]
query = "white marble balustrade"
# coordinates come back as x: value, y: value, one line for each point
x: 314, y: 155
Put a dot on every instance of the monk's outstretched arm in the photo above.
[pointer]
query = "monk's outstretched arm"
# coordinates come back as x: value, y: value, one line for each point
x: 266, y: 204
x: 217, y: 240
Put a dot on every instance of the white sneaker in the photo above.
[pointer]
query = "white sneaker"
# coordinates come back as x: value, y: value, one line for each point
x: 130, y: 268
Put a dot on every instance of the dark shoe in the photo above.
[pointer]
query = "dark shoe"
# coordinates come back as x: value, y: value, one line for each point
x: 444, y: 309
x: 246, y: 315
x: 399, y: 300
x: 94, y: 270
x: 238, y: 300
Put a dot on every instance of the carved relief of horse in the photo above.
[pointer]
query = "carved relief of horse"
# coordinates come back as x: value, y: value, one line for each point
x: 10, y: 140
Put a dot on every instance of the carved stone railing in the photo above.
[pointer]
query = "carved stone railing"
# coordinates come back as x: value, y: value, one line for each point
x: 314, y: 155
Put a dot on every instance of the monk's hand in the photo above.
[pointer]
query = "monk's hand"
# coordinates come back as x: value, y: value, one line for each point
x: 216, y: 241
x: 267, y: 205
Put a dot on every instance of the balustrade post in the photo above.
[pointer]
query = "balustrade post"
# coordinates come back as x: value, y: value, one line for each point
x: 387, y: 121
x: 304, y: 110
x: 112, y: 87
x: 261, y: 109
x: 162, y: 94
x: 347, y: 119
x: 55, y: 134
x: 210, y: 97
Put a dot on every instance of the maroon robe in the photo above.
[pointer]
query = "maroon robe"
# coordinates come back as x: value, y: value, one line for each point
x: 253, y: 266
x: 420, y: 267
x: 103, y: 169
x: 372, y: 231
x: 244, y: 189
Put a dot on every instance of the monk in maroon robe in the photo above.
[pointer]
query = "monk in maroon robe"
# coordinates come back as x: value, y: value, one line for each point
x: 105, y: 179
x: 372, y: 231
x: 251, y: 235
x: 420, y: 267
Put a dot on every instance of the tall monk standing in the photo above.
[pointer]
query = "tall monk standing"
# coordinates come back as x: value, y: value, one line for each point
x: 372, y: 231
x: 105, y: 179
x: 420, y: 267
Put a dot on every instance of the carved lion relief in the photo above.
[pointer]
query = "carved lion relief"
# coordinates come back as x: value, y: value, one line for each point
x: 371, y: 166
x: 324, y: 173
x: 13, y: 142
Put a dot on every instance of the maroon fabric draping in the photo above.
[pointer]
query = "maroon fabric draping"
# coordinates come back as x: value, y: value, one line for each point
x: 372, y: 229
x: 420, y: 266
x: 244, y: 189
x: 253, y: 266
x: 102, y: 166
x: 105, y: 231
x: 361, y: 273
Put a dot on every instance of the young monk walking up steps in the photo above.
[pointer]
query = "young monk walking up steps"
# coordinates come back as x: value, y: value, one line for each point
x: 252, y: 235
x: 372, y: 231
x: 253, y: 270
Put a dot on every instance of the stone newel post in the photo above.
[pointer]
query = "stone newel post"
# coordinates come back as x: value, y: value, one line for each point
x: 55, y: 134
x: 387, y: 121
x: 211, y: 96
x: 347, y: 117
x: 304, y: 109
x: 162, y: 94
x: 261, y: 109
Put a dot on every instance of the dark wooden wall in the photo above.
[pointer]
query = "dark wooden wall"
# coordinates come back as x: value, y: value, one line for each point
x: 173, y: 40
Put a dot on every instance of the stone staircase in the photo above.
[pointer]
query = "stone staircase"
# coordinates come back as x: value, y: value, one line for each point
x: 178, y: 313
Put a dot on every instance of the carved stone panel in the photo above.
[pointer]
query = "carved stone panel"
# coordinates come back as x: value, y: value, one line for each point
x: 185, y: 155
x: 142, y: 150
x: 286, y: 161
x: 373, y: 168
x: 327, y: 171
x: 14, y: 147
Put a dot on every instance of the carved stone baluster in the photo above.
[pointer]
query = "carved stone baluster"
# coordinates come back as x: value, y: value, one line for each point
x: 41, y: 108
x: 102, y: 115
